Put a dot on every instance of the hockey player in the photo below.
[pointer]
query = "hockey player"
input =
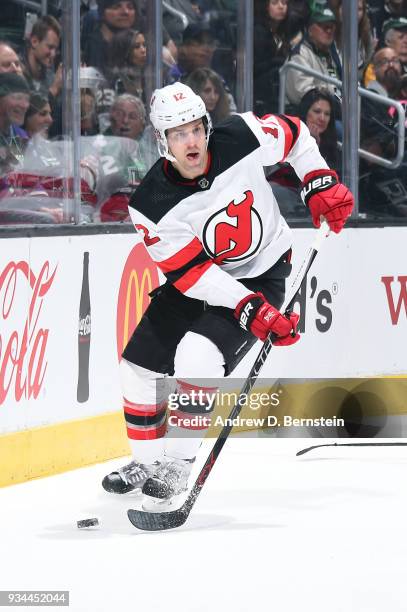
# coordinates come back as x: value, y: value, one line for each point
x: 209, y: 220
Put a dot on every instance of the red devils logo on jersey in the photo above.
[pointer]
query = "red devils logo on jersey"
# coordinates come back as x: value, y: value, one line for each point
x: 233, y: 233
x: 148, y: 240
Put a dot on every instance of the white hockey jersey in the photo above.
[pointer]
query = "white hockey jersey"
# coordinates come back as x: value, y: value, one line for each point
x: 205, y: 234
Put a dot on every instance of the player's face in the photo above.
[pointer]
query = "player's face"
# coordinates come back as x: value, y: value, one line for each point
x: 40, y: 122
x: 187, y: 143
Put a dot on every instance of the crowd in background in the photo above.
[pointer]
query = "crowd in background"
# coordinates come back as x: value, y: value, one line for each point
x: 199, y: 49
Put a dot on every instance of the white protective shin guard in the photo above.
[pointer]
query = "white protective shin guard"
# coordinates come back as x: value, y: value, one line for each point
x: 199, y: 364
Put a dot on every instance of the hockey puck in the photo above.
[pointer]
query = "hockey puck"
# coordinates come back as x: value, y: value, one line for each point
x: 90, y: 522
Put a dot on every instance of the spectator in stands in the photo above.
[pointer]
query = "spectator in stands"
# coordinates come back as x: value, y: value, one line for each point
x: 41, y: 154
x: 38, y: 118
x: 128, y: 120
x: 9, y: 60
x: 127, y: 117
x: 299, y: 17
x: 395, y: 36
x: 14, y: 102
x: 208, y: 84
x: 316, y: 51
x: 95, y: 92
x: 271, y: 38
x: 382, y: 191
x: 114, y: 16
x: 125, y: 153
x: 366, y: 44
x: 316, y: 110
x: 14, y: 144
x: 89, y: 118
x: 378, y: 129
x: 16, y: 15
x: 382, y: 10
x: 388, y: 70
x: 127, y: 60
x: 42, y: 47
x: 196, y: 51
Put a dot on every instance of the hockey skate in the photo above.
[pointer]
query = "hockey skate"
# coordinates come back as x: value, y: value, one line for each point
x: 164, y: 486
x: 130, y: 477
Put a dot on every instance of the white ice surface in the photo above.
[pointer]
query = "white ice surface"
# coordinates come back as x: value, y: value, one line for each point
x: 321, y: 533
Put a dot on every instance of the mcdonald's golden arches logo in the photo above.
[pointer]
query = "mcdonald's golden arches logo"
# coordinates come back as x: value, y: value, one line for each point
x: 139, y: 278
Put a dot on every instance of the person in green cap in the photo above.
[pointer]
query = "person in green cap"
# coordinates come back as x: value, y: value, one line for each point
x: 315, y: 51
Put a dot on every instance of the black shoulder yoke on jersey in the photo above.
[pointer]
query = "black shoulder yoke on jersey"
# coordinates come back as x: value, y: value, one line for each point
x: 163, y: 187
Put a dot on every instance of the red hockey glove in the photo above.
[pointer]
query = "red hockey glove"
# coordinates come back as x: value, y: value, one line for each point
x: 326, y: 196
x: 255, y: 314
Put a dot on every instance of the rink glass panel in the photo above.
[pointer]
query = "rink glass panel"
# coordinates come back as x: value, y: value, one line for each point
x: 77, y: 181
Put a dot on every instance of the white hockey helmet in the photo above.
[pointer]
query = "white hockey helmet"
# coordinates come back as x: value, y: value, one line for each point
x: 172, y: 106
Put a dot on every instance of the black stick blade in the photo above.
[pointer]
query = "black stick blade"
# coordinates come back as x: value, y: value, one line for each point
x: 157, y: 521
x: 310, y: 448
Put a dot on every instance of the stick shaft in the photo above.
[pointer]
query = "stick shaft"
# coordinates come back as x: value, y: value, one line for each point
x: 310, y: 448
x: 255, y: 371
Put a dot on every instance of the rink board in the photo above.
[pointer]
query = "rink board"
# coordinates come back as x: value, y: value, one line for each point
x: 353, y: 323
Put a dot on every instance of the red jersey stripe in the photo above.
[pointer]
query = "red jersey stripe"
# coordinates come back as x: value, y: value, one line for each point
x: 192, y: 276
x: 181, y: 258
x: 289, y: 136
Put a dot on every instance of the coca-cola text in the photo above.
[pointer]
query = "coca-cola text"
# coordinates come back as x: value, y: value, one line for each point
x: 22, y: 351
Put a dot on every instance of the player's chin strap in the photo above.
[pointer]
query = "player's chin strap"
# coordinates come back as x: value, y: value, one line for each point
x: 158, y: 521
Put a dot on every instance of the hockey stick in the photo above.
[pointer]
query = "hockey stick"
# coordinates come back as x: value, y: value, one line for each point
x: 310, y: 448
x: 159, y: 521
